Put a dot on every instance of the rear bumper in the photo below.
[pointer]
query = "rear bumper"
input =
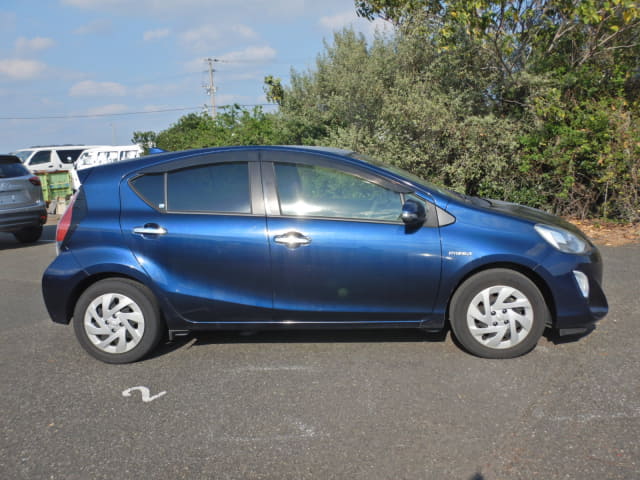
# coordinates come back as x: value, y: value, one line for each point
x: 59, y: 286
x: 19, y: 218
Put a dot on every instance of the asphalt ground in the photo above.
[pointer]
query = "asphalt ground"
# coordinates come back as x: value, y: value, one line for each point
x: 388, y: 404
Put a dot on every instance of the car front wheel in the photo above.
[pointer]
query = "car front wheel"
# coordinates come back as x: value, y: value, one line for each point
x: 117, y: 320
x: 498, y: 313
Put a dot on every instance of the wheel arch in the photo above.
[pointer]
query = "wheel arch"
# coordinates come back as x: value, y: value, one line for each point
x: 522, y: 269
x: 86, y: 282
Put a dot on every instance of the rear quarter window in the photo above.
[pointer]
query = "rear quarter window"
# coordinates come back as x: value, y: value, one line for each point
x: 151, y: 189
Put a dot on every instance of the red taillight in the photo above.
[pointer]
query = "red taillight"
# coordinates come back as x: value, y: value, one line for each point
x: 35, y: 181
x: 65, y: 222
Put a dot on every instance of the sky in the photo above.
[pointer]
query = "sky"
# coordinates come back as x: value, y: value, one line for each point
x: 94, y: 71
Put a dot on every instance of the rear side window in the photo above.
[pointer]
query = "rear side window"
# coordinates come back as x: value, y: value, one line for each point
x: 151, y: 189
x: 68, y: 156
x: 11, y: 170
x: 219, y: 188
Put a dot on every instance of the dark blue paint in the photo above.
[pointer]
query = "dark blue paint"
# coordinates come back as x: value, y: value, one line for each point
x: 226, y: 271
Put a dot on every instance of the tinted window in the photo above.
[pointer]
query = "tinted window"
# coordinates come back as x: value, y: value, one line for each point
x: 69, y: 156
x: 10, y: 170
x: 40, y: 157
x: 151, y: 189
x: 220, y: 188
x: 324, y: 192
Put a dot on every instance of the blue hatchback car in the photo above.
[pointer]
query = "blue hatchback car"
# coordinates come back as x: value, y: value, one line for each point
x: 307, y: 237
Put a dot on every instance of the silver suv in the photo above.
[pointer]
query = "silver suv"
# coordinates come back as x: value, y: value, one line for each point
x: 22, y: 209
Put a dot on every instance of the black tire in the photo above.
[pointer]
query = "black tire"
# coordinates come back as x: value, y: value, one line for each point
x: 526, y: 314
x: 29, y: 234
x: 144, y: 306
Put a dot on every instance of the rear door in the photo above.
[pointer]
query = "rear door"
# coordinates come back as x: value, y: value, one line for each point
x: 197, y: 227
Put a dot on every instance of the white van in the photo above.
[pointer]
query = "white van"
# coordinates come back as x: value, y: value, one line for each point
x: 101, y: 155
x: 51, y: 158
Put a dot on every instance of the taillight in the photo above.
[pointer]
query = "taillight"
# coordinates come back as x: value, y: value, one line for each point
x: 35, y: 181
x: 65, y: 222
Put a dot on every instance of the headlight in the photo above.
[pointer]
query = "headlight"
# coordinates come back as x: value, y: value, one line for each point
x: 563, y: 240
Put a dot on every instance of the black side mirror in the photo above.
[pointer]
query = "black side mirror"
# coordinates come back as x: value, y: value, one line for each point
x: 413, y: 213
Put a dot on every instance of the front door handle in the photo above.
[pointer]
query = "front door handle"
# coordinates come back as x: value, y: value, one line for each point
x: 292, y: 239
x: 150, y: 229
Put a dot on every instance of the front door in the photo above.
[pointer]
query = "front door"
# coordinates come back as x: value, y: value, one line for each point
x: 340, y: 251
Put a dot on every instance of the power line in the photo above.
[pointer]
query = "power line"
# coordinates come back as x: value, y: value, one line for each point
x: 144, y: 112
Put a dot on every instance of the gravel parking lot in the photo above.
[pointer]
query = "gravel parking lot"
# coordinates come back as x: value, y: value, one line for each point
x: 295, y: 405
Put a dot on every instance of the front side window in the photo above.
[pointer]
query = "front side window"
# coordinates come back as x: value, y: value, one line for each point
x: 217, y: 188
x: 313, y: 191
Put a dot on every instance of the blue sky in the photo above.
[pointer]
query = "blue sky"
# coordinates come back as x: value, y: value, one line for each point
x: 93, y: 64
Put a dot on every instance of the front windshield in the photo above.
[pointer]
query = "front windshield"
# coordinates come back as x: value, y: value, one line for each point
x: 23, y: 155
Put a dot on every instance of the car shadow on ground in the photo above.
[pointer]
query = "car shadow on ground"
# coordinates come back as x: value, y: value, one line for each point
x: 9, y: 242
x: 299, y: 336
x: 554, y: 337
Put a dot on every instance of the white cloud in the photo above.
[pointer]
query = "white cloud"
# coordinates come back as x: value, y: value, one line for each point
x: 96, y: 27
x: 339, y: 20
x: 35, y: 44
x: 157, y: 34
x: 202, y: 38
x: 17, y: 69
x: 244, y: 31
x: 108, y: 109
x: 90, y: 88
x: 253, y: 54
x: 349, y: 18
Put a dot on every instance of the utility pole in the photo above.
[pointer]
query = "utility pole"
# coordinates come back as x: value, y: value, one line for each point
x: 211, y: 88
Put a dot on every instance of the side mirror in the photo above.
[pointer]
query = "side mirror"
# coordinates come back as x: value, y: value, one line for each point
x: 413, y: 213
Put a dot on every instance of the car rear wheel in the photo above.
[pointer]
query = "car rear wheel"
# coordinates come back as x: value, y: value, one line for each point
x: 498, y: 313
x: 117, y: 321
x: 28, y: 234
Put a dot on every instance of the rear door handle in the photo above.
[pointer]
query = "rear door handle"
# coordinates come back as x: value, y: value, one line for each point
x: 292, y: 239
x: 150, y: 229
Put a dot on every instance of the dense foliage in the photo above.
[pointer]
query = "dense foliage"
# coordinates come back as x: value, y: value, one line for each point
x: 533, y: 101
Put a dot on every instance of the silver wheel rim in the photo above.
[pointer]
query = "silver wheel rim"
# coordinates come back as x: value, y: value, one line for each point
x: 114, y: 323
x: 500, y: 317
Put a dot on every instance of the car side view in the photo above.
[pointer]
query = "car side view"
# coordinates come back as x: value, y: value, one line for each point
x: 308, y: 237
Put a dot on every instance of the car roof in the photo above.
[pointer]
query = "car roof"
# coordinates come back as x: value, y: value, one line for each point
x: 121, y: 169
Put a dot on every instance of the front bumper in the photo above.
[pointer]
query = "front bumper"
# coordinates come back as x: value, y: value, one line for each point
x: 572, y: 312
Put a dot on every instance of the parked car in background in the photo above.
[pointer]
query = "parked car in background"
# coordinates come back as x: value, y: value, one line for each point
x: 22, y: 209
x: 300, y: 237
x: 51, y: 158
x: 101, y: 155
